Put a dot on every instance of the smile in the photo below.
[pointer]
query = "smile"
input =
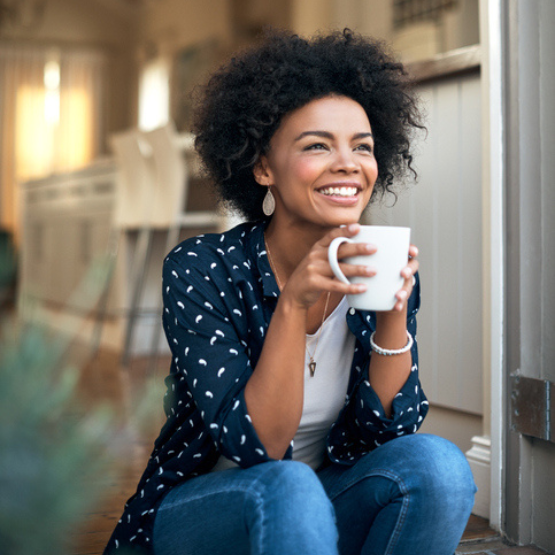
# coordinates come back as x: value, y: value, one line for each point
x: 339, y: 191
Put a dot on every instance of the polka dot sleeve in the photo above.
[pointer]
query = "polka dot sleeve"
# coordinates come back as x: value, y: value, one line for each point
x: 203, y: 337
x: 363, y: 425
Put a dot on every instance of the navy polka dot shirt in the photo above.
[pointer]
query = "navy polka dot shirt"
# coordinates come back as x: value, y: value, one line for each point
x: 219, y: 296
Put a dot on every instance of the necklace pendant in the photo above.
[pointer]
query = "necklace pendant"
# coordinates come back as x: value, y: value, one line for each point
x: 312, y: 367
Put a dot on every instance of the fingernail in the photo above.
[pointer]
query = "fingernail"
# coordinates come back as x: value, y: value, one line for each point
x: 407, y: 272
x: 402, y: 294
x: 353, y: 228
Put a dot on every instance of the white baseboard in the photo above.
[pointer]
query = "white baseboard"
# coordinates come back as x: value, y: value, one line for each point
x: 479, y: 458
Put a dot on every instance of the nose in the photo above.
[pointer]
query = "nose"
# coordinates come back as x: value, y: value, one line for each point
x: 344, y: 161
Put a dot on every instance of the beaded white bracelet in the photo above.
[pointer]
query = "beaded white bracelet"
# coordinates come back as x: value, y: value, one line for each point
x: 389, y: 352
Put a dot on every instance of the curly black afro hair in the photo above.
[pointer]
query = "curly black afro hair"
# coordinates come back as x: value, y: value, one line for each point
x: 244, y: 102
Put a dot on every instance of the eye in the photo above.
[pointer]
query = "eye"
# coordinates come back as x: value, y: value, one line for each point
x: 365, y: 147
x: 316, y: 146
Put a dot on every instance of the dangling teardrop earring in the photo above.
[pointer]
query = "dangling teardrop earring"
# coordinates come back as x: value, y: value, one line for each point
x: 269, y: 203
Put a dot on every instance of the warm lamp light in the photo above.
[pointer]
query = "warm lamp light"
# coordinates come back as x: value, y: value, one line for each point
x: 52, y: 92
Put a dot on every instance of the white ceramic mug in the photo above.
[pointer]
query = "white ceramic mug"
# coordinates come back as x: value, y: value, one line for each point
x: 390, y: 258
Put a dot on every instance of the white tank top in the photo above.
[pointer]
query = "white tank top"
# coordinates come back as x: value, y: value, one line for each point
x: 324, y: 394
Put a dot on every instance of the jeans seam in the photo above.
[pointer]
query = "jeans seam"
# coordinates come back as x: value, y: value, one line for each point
x: 261, y: 539
x: 247, y: 491
x: 375, y: 472
x: 402, y: 516
x: 260, y: 507
x: 384, y: 473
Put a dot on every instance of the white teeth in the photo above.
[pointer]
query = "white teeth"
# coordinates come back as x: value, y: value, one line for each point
x: 340, y: 191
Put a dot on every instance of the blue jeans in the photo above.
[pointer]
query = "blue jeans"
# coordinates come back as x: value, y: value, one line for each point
x: 412, y: 495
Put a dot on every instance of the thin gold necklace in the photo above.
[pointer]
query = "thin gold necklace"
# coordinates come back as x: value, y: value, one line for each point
x: 312, y: 363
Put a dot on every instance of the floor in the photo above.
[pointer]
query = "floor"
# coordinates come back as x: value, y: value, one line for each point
x: 103, y: 379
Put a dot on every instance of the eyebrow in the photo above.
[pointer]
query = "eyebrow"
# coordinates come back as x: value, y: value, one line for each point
x: 328, y: 135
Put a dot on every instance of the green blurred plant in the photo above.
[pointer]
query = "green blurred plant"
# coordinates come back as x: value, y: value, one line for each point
x: 51, y: 457
x: 7, y: 259
x: 55, y: 455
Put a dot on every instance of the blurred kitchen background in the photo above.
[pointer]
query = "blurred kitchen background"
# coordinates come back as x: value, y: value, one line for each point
x: 98, y: 179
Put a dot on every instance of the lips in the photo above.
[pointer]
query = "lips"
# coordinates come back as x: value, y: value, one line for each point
x: 339, y: 191
x: 349, y: 190
x: 345, y: 195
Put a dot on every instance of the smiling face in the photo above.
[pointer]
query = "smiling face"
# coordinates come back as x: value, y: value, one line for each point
x: 321, y: 164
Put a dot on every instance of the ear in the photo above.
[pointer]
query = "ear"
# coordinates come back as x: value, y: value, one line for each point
x: 261, y: 172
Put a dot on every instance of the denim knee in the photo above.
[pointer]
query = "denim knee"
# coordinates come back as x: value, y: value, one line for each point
x: 297, y: 484
x: 272, y: 508
x: 291, y: 505
x: 440, y: 467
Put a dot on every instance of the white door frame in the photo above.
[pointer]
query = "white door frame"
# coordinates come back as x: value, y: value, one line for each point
x: 491, y: 38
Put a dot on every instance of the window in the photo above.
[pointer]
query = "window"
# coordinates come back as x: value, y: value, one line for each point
x: 406, y: 12
x: 51, y: 115
x: 154, y: 95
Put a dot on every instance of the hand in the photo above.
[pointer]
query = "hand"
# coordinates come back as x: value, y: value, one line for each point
x: 314, y: 276
x: 408, y: 273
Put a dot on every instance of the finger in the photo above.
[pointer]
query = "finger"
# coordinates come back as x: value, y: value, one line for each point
x: 354, y: 270
x: 352, y: 289
x: 348, y: 250
x: 347, y: 231
x: 322, y: 268
x: 413, y: 251
x: 335, y: 286
x: 403, y: 294
x: 410, y: 269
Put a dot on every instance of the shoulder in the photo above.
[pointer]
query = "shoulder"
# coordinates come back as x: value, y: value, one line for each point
x: 215, y: 254
x: 204, y: 249
x: 205, y: 275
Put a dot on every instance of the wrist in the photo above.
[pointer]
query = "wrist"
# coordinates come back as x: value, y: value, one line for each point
x: 391, y: 352
x: 289, y: 306
x: 391, y: 329
x: 393, y: 319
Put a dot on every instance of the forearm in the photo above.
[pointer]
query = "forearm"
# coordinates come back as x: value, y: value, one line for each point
x: 274, y: 393
x: 389, y: 373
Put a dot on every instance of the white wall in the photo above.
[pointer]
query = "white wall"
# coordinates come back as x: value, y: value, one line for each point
x: 454, y: 425
x: 444, y: 210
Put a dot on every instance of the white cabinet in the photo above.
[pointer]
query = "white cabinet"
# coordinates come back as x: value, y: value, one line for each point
x: 68, y: 223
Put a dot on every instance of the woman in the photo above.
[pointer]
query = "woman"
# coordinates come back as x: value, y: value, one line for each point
x: 287, y: 432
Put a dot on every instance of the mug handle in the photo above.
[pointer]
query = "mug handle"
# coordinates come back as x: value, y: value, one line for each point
x: 332, y: 257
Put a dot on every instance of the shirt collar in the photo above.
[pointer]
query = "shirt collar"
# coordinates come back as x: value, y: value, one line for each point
x: 256, y: 248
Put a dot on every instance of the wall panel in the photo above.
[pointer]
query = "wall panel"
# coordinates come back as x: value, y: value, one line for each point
x: 444, y: 210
